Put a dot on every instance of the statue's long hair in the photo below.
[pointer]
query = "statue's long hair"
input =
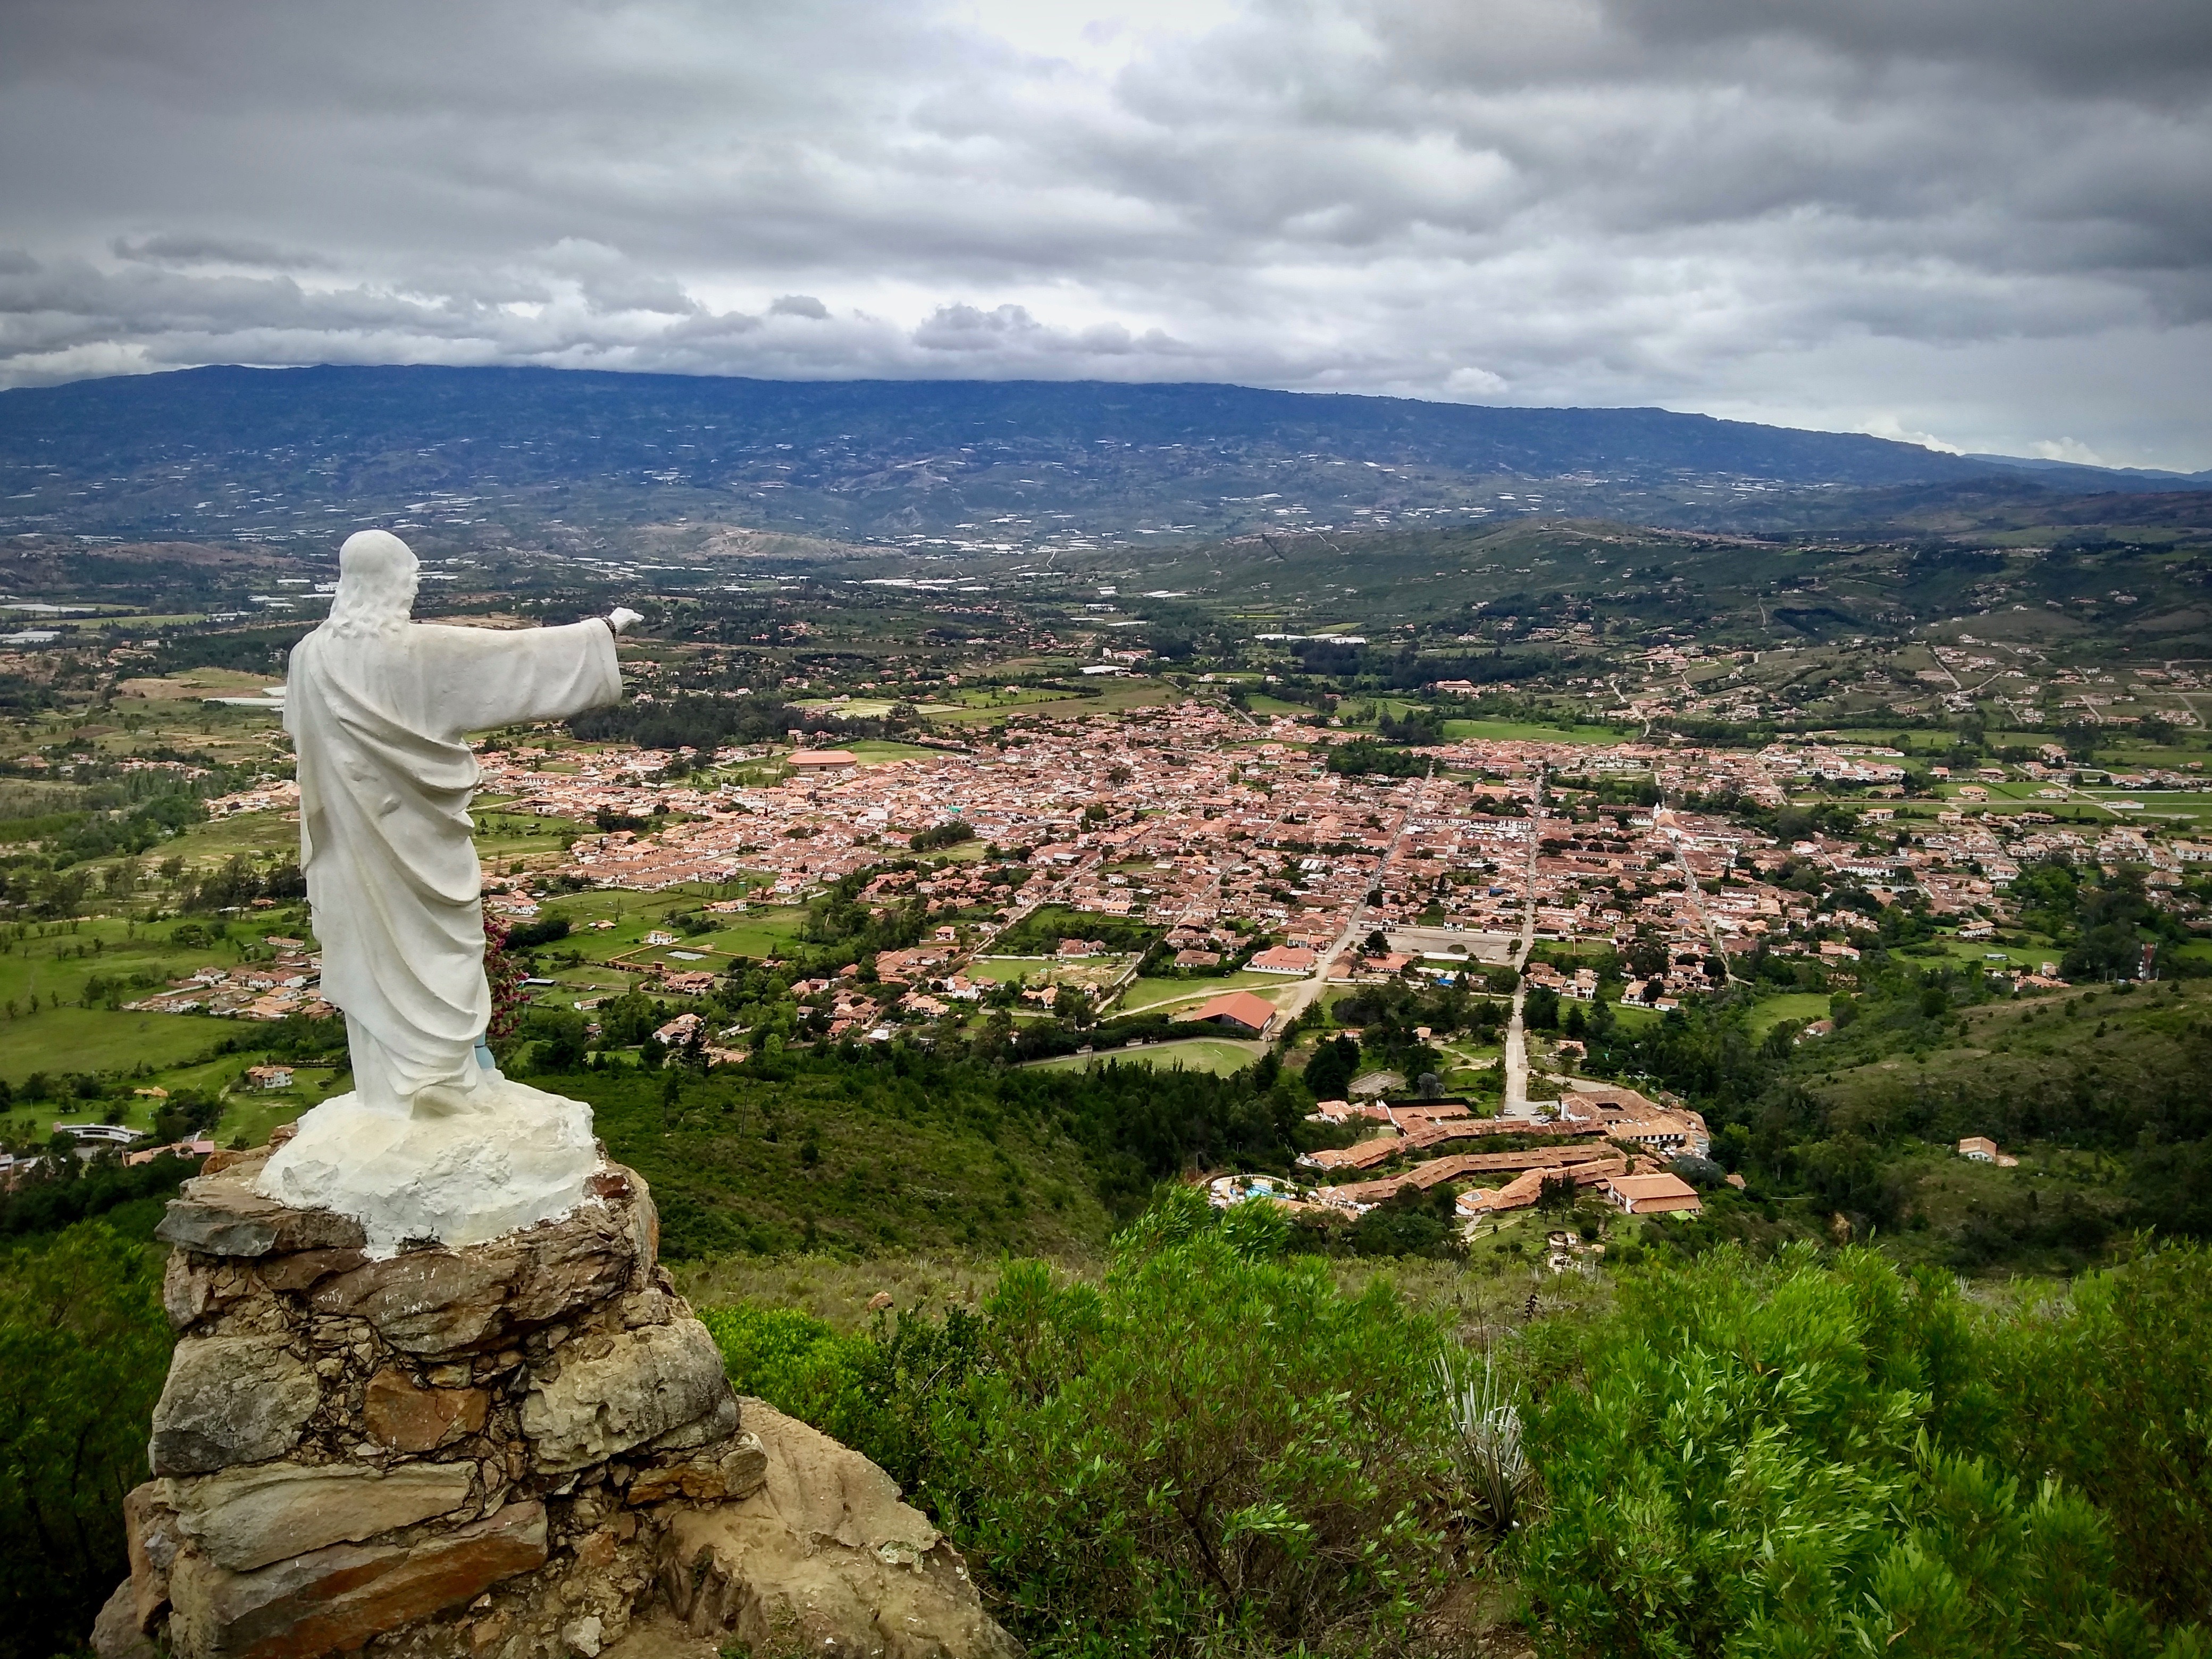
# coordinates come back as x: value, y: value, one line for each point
x: 377, y: 580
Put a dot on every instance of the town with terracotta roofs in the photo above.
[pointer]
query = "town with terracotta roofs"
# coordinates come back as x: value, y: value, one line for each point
x: 1526, y: 906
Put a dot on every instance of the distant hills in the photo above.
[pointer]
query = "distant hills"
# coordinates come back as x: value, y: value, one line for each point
x: 464, y: 456
x: 2074, y: 474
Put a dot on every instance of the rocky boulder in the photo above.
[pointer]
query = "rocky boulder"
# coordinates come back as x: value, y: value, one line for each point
x: 825, y: 1559
x: 246, y: 1518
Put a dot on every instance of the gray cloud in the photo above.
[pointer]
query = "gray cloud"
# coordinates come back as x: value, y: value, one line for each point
x: 1985, y: 223
x: 170, y: 248
x: 2131, y: 45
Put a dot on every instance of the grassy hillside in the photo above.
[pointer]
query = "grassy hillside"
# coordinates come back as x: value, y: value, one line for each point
x: 867, y: 1152
x: 848, y: 1158
x: 1856, y: 1133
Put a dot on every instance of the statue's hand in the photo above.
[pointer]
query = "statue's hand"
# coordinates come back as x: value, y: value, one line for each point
x: 622, y: 618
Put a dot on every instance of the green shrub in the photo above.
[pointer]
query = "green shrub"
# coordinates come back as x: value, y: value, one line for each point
x: 1982, y: 1570
x: 883, y: 1393
x: 1218, y: 1450
x: 950, y: 833
x: 1215, y: 1447
x: 84, y: 1347
x: 794, y: 1361
x: 1777, y: 1458
x: 2111, y: 1391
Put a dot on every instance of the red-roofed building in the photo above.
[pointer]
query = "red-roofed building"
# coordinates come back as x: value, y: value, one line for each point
x: 1654, y: 1195
x: 1283, y: 959
x: 1239, y: 1009
x: 1365, y: 1156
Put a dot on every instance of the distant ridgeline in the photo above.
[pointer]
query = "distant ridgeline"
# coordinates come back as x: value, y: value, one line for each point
x: 218, y: 453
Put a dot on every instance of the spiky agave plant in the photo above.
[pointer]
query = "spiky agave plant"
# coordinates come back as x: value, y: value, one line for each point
x: 1485, y: 1436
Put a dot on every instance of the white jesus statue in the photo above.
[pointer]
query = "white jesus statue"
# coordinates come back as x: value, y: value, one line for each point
x: 432, y: 1143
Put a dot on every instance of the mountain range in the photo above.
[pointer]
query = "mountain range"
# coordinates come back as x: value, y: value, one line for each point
x: 465, y: 455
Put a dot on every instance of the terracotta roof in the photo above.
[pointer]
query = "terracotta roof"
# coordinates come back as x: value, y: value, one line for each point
x: 1253, y: 1013
x: 1643, y: 1193
x: 1365, y: 1155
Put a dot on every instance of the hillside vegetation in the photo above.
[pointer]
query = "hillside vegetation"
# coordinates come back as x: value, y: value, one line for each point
x: 845, y: 1153
x: 1795, y: 1455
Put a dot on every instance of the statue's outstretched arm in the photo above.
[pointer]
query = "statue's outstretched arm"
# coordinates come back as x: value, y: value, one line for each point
x: 478, y: 677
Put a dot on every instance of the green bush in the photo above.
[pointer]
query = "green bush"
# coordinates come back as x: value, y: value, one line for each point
x: 2111, y: 1392
x: 1216, y: 1448
x: 1779, y: 1458
x: 84, y: 1347
x: 950, y: 833
x: 792, y: 1360
x: 884, y: 1393
x: 529, y: 935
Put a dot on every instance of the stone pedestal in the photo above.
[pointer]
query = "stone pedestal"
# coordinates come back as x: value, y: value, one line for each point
x: 482, y: 1453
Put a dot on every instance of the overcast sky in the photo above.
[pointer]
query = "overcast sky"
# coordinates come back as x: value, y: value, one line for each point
x: 1983, y: 223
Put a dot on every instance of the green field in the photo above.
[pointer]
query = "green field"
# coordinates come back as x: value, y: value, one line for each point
x: 765, y: 932
x: 1914, y: 742
x: 1039, y: 969
x: 1132, y: 692
x: 502, y: 837
x: 59, y: 1040
x: 265, y: 837
x: 978, y: 706
x: 174, y: 1051
x: 1984, y: 952
x: 2190, y: 806
x: 1145, y: 993
x: 1770, y: 1012
x: 756, y: 934
x: 875, y: 752
x: 1003, y: 969
x: 1218, y: 1055
x: 1502, y: 731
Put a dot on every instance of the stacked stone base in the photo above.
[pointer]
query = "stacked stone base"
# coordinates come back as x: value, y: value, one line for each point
x: 507, y: 1451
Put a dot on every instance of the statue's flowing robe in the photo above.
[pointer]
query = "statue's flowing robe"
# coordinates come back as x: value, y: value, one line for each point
x: 378, y: 724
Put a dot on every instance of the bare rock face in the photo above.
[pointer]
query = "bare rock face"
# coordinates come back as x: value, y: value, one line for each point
x: 149, y: 1531
x: 435, y: 1303
x: 334, y: 1599
x: 729, y: 1470
x: 246, y: 1518
x: 231, y: 1400
x: 227, y: 1218
x: 115, y: 1631
x: 823, y: 1559
x: 408, y: 1416
x: 621, y: 1391
x: 509, y: 1450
